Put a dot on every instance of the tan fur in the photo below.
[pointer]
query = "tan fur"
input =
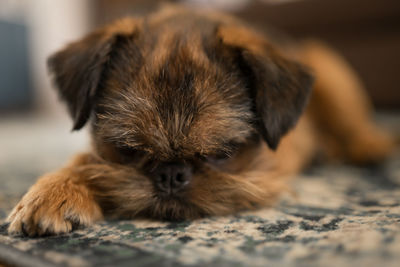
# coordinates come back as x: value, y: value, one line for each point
x: 57, y: 203
x: 341, y: 109
x: 145, y: 107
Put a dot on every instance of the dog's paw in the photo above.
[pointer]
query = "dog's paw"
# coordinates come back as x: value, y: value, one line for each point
x: 54, y: 205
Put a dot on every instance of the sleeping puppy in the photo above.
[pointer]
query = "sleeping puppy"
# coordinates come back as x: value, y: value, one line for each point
x: 193, y: 114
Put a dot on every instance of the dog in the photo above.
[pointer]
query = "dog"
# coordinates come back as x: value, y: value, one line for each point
x: 194, y: 114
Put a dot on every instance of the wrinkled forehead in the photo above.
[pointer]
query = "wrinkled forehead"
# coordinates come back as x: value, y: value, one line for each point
x: 179, y: 103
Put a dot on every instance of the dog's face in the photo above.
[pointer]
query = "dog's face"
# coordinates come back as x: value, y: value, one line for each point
x: 182, y: 103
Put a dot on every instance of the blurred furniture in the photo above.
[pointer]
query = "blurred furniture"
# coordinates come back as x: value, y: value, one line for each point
x: 15, y: 85
x: 106, y: 11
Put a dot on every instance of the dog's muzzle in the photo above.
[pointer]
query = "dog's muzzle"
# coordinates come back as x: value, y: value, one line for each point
x: 171, y: 178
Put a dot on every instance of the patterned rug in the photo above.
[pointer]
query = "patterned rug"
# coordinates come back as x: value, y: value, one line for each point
x: 339, y: 216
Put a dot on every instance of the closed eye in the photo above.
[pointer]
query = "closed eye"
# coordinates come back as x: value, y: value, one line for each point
x: 126, y: 151
x: 131, y: 153
x: 218, y: 158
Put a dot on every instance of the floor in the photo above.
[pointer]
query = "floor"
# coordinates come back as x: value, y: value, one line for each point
x: 339, y: 216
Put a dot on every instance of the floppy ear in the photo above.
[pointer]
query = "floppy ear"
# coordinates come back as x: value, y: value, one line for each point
x: 279, y: 87
x: 79, y: 67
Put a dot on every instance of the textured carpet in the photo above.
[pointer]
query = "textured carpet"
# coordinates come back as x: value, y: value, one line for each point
x: 339, y: 216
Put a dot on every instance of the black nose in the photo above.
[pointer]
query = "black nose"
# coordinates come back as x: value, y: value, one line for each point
x: 170, y: 178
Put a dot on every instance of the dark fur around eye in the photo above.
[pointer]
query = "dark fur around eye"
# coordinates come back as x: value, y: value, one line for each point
x: 223, y: 155
x: 130, y: 153
x: 218, y: 158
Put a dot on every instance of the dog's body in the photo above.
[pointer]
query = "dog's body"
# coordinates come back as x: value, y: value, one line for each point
x: 187, y: 112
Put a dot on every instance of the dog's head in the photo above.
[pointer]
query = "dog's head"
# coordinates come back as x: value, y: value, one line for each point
x: 185, y: 100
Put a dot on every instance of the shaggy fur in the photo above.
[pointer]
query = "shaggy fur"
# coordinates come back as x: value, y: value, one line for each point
x: 205, y: 90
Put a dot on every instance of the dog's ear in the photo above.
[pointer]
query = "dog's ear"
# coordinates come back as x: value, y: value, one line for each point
x: 279, y: 87
x: 79, y: 67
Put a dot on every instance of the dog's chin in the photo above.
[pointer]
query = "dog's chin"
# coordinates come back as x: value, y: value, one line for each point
x: 172, y: 208
x: 125, y: 193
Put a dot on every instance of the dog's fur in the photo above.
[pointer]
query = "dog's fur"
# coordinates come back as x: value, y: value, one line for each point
x: 204, y: 89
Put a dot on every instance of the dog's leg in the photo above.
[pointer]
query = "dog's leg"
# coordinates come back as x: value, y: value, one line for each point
x: 342, y: 110
x: 57, y: 203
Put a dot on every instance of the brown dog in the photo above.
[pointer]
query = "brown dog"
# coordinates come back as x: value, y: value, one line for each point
x: 187, y: 110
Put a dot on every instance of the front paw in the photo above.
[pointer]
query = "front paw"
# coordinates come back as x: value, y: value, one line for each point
x: 54, y: 205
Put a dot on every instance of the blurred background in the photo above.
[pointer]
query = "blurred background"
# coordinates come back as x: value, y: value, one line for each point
x: 34, y: 128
